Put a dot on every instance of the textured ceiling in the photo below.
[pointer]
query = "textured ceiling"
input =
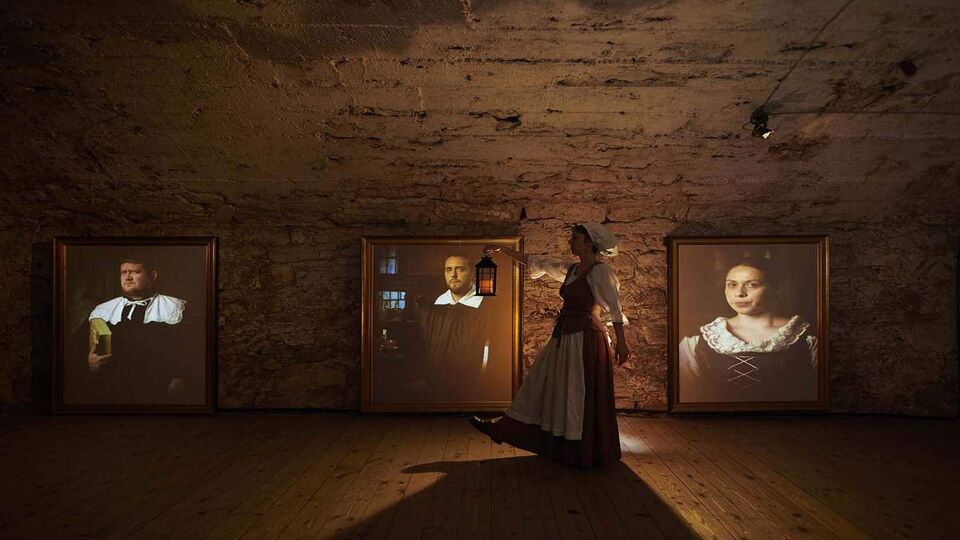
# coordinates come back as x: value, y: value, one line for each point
x: 210, y: 101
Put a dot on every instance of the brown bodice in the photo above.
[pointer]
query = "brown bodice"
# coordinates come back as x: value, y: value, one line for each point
x: 580, y: 310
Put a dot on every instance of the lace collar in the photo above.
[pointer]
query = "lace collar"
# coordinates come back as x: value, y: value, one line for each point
x: 720, y: 339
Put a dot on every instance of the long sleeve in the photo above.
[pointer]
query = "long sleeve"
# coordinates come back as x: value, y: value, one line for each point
x: 693, y: 375
x: 814, y: 352
x: 606, y: 290
x: 689, y: 368
x: 540, y: 266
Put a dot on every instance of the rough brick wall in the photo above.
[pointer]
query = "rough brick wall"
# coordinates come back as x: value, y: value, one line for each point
x: 290, y: 129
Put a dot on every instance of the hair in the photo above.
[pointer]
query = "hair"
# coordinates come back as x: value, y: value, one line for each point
x: 147, y: 263
x: 462, y: 255
x: 772, y: 272
x: 763, y: 259
x: 583, y: 230
x: 790, y: 275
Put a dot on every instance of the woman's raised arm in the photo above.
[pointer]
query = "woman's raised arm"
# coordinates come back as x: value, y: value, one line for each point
x: 508, y: 251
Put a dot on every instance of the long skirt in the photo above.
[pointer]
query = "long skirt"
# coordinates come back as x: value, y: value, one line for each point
x: 565, y: 406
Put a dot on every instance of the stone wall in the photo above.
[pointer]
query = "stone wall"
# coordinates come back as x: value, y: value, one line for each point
x: 290, y: 129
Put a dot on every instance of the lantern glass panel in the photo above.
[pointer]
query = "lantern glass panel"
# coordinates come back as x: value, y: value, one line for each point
x: 486, y: 277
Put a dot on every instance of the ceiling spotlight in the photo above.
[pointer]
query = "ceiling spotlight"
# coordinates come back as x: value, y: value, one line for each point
x: 759, y: 119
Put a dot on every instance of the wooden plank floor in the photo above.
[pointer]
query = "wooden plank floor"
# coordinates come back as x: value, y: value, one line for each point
x: 344, y: 475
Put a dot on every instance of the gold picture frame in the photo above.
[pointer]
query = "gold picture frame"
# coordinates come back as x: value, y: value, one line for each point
x: 748, y: 323
x: 428, y: 344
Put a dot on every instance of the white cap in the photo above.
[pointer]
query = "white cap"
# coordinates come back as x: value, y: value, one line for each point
x: 601, y: 237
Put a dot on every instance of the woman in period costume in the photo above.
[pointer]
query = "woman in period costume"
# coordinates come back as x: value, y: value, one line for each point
x: 565, y: 407
x: 757, y: 355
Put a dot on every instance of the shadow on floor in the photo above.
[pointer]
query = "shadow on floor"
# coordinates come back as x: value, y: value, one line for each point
x: 521, y: 497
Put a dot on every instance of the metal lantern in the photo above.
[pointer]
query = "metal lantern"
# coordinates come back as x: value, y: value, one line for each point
x: 486, y: 277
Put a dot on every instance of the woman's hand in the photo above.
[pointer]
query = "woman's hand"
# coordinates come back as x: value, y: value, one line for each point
x: 622, y: 352
x: 490, y: 249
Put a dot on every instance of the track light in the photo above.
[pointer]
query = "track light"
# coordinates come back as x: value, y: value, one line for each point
x: 759, y: 119
x: 760, y: 116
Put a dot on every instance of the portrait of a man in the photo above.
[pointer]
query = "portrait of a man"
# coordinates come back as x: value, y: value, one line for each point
x: 436, y: 344
x: 457, y: 332
x: 136, y: 351
x: 135, y: 326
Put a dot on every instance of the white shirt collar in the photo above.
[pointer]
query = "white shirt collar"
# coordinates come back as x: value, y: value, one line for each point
x: 470, y: 299
x: 158, y: 308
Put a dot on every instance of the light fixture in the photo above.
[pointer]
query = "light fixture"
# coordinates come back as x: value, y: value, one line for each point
x: 760, y: 116
x: 762, y: 131
x: 759, y: 119
x: 486, y: 277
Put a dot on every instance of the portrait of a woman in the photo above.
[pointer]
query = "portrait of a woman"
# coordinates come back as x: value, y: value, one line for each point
x: 761, y: 348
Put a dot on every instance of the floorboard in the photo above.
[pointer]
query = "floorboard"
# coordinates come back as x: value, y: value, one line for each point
x: 539, y: 520
x: 316, y: 435
x: 441, y: 520
x: 650, y: 467
x: 408, y: 476
x: 415, y: 504
x: 785, y: 505
x: 277, y: 515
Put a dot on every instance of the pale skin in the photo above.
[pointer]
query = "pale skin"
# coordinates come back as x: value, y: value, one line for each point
x: 137, y: 283
x: 458, y: 274
x: 751, y: 296
x: 582, y: 248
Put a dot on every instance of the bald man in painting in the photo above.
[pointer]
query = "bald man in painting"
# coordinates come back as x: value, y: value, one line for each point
x: 457, y: 334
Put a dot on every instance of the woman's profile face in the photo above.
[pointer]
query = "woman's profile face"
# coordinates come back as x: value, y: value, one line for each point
x: 579, y: 244
x: 747, y: 291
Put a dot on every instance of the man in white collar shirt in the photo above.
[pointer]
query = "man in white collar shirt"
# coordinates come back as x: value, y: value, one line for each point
x: 457, y: 336
x: 136, y: 352
x: 458, y: 273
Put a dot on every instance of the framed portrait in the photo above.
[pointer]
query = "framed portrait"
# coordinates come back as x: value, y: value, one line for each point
x: 748, y: 323
x: 135, y: 325
x: 430, y: 343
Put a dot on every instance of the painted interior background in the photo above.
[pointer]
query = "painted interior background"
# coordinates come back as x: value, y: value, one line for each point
x: 427, y: 351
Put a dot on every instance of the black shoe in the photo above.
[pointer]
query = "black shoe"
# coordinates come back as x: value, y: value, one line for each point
x: 480, y: 425
x: 483, y: 426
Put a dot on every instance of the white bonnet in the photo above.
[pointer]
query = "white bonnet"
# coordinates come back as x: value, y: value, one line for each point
x: 601, y: 237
